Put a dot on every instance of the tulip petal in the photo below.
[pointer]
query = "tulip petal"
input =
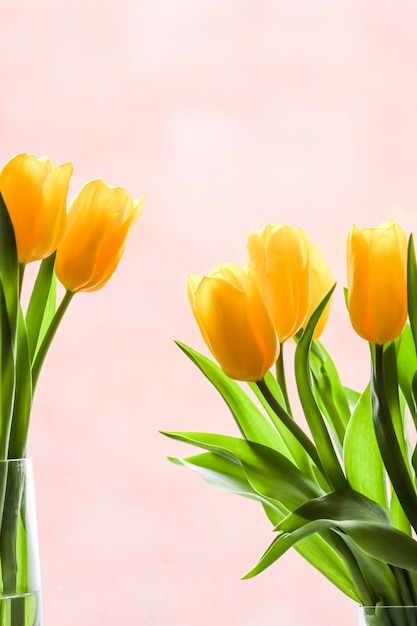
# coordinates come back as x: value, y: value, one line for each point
x: 99, y: 220
x: 377, y: 292
x: 234, y: 322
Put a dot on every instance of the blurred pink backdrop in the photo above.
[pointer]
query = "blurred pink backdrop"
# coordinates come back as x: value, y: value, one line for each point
x: 226, y: 115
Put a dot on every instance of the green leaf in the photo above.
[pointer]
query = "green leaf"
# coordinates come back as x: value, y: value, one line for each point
x: 311, y: 410
x: 407, y: 367
x: 252, y: 423
x: 7, y: 375
x: 352, y: 396
x: 396, y: 464
x: 23, y: 395
x: 269, y: 472
x: 362, y: 459
x: 344, y: 512
x: 42, y: 305
x: 292, y: 436
x: 329, y: 391
x: 346, y: 504
x: 229, y: 476
x: 9, y: 270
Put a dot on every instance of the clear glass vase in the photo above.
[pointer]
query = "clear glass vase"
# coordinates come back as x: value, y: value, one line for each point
x: 20, y: 581
x: 388, y: 616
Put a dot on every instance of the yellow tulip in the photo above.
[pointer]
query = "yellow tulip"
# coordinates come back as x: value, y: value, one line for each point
x: 35, y: 193
x: 234, y: 322
x: 321, y: 281
x: 98, y: 222
x: 279, y: 264
x: 377, y: 281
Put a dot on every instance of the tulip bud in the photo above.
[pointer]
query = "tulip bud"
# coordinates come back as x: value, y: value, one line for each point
x: 279, y: 264
x: 377, y: 281
x: 98, y: 222
x: 35, y: 192
x: 234, y: 322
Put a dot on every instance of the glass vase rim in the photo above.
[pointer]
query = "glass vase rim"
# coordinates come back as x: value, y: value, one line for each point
x: 18, y: 460
x: 387, y: 606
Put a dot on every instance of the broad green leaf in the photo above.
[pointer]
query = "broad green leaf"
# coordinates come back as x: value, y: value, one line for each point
x: 362, y: 459
x: 398, y: 517
x: 407, y: 367
x: 269, y: 472
x: 315, y: 420
x: 253, y: 424
x: 396, y: 407
x: 373, y: 536
x: 329, y: 391
x: 229, y: 476
x: 42, y: 304
x: 342, y: 505
x: 395, y: 463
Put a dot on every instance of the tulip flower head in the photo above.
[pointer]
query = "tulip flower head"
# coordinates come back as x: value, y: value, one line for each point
x: 278, y: 263
x: 234, y: 322
x: 377, y: 281
x: 98, y: 222
x: 35, y: 193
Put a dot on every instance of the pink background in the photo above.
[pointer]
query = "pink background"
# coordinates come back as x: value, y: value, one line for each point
x: 226, y: 115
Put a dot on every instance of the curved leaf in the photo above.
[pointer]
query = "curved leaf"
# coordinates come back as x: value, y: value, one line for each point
x: 42, y: 305
x: 252, y: 423
x: 311, y: 410
x: 329, y: 391
x: 23, y: 395
x: 362, y: 459
x: 372, y: 535
x: 407, y: 367
x: 269, y: 472
x: 395, y: 463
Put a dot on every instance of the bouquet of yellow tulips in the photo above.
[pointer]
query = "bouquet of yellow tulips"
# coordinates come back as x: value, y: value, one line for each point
x: 342, y: 489
x: 82, y: 249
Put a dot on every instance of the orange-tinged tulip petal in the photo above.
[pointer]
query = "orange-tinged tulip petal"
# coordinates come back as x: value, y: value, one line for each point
x: 98, y: 222
x: 377, y: 281
x: 279, y: 264
x: 35, y: 193
x: 234, y: 322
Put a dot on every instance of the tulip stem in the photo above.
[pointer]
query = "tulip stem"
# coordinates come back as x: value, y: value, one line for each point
x: 290, y: 423
x: 21, y: 274
x: 49, y: 335
x: 280, y: 372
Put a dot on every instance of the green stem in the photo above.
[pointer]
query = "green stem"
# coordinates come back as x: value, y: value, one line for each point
x: 49, y: 335
x: 292, y: 426
x: 354, y: 570
x: 21, y: 274
x: 404, y: 586
x: 280, y: 371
